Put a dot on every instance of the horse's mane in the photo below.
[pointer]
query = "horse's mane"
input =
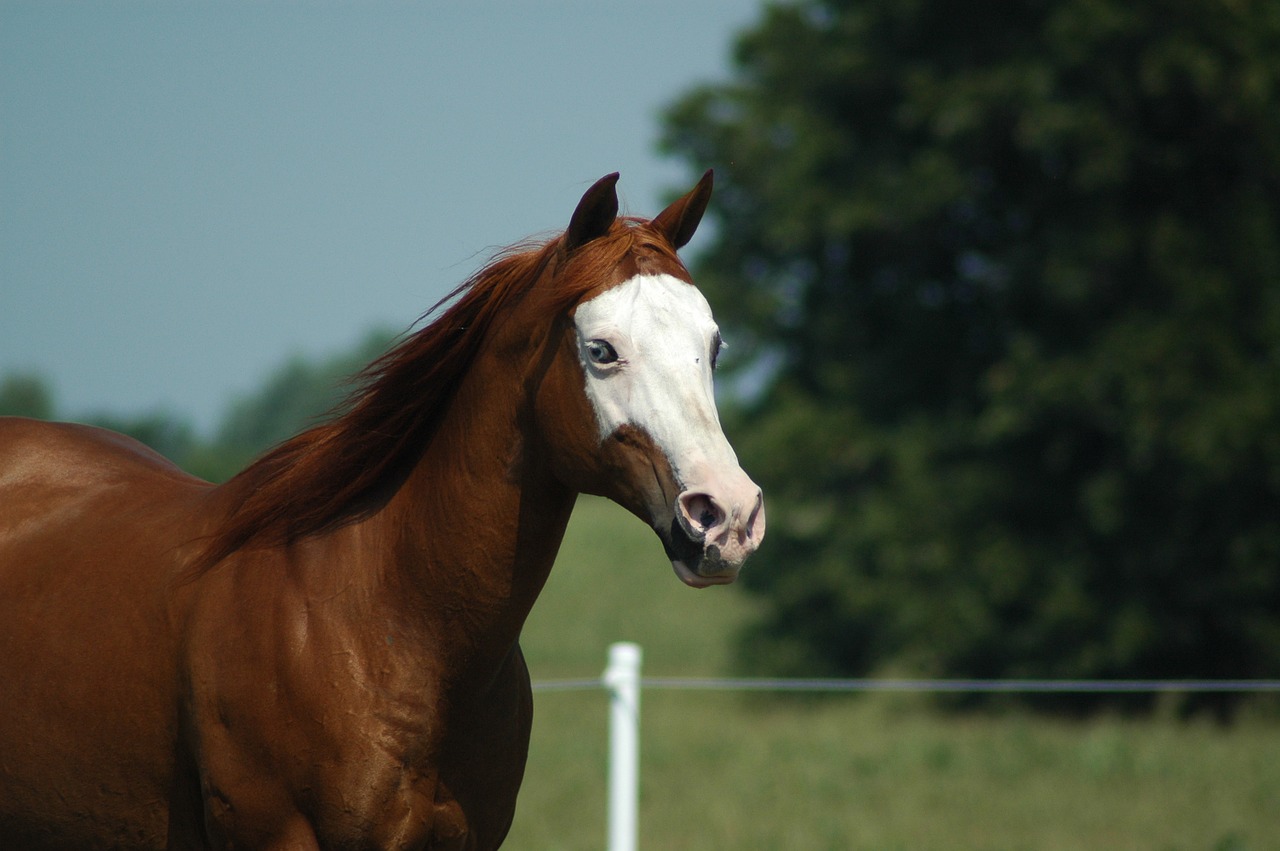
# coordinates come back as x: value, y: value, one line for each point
x: 344, y: 469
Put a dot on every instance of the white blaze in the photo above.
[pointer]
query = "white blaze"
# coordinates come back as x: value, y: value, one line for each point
x: 663, y: 333
x: 647, y: 347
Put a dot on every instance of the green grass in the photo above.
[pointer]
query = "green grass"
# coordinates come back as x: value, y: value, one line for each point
x: 612, y: 582
x: 730, y: 771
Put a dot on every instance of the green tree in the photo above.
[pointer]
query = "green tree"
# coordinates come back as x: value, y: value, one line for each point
x: 23, y: 395
x: 170, y: 435
x: 297, y: 395
x: 1008, y: 282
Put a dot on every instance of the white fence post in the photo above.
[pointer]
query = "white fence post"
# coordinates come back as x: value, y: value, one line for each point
x: 622, y: 679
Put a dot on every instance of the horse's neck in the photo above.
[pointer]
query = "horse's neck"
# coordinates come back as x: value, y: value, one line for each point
x: 478, y: 523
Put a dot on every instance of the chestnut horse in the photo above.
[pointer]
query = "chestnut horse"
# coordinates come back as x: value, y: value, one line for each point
x: 322, y: 652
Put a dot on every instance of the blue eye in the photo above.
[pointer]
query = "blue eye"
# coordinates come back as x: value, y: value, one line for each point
x: 601, y: 352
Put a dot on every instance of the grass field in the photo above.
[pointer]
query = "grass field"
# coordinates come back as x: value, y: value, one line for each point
x: 729, y: 771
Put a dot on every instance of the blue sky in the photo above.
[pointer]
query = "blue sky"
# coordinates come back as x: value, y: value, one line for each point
x: 191, y: 193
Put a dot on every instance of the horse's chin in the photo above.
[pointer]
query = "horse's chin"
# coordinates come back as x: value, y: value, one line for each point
x: 698, y: 564
x: 698, y: 579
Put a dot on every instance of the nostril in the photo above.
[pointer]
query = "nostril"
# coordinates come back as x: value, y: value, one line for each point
x: 755, y: 521
x: 701, y: 510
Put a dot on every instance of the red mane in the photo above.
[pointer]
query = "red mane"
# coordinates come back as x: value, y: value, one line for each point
x: 344, y: 469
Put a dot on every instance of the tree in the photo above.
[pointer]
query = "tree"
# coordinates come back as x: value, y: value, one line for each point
x: 166, y: 433
x: 1008, y: 280
x: 26, y: 395
x: 23, y: 395
x: 297, y: 395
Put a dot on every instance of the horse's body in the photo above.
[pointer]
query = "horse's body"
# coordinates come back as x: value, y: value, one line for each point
x: 322, y: 653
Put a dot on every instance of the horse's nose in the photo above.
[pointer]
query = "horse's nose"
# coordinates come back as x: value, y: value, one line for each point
x: 728, y: 518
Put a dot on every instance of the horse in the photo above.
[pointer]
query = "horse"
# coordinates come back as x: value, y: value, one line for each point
x: 322, y: 652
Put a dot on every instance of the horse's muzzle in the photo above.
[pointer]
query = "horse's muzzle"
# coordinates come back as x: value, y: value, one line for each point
x: 711, y: 535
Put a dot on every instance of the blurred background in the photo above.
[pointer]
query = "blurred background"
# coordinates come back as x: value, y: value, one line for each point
x: 1002, y: 293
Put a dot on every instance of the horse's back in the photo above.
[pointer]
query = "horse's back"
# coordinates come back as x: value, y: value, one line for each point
x: 94, y: 528
x: 79, y: 500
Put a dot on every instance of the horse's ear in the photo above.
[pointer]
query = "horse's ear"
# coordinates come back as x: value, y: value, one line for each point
x: 595, y: 213
x: 680, y: 220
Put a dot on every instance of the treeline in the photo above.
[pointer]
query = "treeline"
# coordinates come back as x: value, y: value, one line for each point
x: 293, y: 397
x: 1008, y: 278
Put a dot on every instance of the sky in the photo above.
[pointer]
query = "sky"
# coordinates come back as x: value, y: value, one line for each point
x: 192, y: 193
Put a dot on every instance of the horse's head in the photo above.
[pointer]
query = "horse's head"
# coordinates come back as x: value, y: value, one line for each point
x: 639, y: 358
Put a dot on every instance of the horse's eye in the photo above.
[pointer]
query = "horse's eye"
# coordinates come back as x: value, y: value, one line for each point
x: 717, y: 345
x: 601, y: 352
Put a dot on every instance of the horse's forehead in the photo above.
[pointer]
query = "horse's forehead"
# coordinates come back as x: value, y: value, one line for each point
x: 644, y: 300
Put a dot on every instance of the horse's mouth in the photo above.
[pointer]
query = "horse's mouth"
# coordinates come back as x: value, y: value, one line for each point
x: 695, y: 579
x: 697, y: 564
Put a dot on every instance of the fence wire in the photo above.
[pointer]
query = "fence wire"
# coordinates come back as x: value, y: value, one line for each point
x: 974, y: 686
